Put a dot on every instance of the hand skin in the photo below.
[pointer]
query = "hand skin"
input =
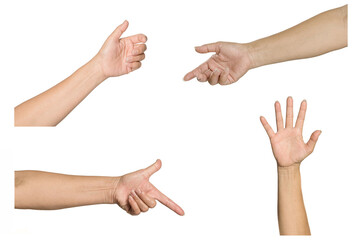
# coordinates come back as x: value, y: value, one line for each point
x: 290, y: 150
x: 118, y: 56
x: 48, y: 191
x: 318, y: 35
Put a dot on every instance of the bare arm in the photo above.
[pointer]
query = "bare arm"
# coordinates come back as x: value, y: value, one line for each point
x: 320, y: 34
x: 117, y: 56
x: 52, y: 106
x: 47, y: 191
x: 292, y: 217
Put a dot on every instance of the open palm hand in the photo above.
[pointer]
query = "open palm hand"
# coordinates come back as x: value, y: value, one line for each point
x: 229, y: 64
x: 287, y: 144
x: 135, y: 194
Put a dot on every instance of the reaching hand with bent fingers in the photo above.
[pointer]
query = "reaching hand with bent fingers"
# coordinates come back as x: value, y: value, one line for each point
x: 229, y: 63
x: 320, y: 34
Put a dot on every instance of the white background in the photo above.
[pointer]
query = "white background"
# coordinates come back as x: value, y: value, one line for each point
x: 217, y: 160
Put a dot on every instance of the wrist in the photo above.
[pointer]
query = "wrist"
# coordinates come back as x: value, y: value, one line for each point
x: 255, y: 54
x: 112, y: 185
x: 102, y: 189
x: 292, y: 169
x: 97, y: 69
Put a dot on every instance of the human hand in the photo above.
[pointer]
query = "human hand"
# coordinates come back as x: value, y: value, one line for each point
x: 287, y: 144
x: 120, y: 56
x: 230, y: 63
x: 135, y: 194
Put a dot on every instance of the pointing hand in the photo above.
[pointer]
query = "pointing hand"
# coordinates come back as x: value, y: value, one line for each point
x: 135, y: 194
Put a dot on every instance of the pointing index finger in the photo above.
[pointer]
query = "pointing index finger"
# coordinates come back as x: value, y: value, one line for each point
x: 163, y: 199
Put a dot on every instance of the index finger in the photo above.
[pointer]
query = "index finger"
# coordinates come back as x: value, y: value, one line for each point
x: 200, y: 69
x: 163, y: 199
x: 138, y: 38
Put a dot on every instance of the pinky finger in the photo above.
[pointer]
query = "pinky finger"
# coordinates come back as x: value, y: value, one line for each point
x: 134, y: 66
x: 267, y: 127
x: 134, y: 206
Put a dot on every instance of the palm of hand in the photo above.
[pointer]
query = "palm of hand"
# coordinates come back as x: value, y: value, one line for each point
x: 288, y: 147
x: 287, y: 144
x: 115, y: 54
x: 232, y: 56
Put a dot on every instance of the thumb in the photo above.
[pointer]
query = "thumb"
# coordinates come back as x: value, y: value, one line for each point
x: 153, y: 168
x: 117, y: 33
x: 313, y: 140
x: 210, y: 47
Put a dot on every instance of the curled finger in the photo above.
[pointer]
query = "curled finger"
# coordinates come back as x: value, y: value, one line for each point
x: 136, y: 58
x: 142, y: 206
x: 214, y: 78
x: 134, y: 206
x: 146, y: 199
x: 139, y: 49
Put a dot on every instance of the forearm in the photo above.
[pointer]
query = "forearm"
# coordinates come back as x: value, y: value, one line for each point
x: 45, y: 191
x: 292, y: 217
x: 52, y: 106
x: 318, y: 35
